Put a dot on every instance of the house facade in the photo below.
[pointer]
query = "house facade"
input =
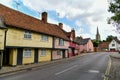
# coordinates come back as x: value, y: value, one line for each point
x: 103, y: 46
x: 86, y: 45
x: 30, y: 40
x: 114, y: 45
x: 60, y: 45
x: 3, y: 31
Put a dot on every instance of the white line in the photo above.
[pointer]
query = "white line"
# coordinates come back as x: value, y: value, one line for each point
x: 66, y: 70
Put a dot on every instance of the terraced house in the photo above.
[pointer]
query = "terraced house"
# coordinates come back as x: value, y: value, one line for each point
x: 30, y: 40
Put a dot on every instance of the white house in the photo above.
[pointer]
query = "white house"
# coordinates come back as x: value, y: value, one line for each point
x: 114, y: 45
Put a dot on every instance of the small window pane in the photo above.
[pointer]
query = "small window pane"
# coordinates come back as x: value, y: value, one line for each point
x: 27, y: 53
x: 44, y: 38
x: 43, y: 53
x: 27, y: 35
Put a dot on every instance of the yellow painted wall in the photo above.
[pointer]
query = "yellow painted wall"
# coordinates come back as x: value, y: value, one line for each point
x: 27, y: 60
x: 15, y: 37
x: 44, y: 58
x: 13, y: 57
x: 2, y: 34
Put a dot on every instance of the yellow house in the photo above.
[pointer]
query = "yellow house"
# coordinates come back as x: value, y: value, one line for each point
x: 28, y: 40
x: 3, y: 30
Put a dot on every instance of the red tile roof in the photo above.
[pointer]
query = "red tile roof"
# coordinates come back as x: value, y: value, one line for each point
x: 17, y: 19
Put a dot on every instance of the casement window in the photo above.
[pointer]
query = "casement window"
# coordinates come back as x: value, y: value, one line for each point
x: 42, y: 52
x: 27, y: 35
x: 113, y: 45
x: 27, y: 53
x: 61, y: 42
x: 44, y: 38
x: 59, y: 52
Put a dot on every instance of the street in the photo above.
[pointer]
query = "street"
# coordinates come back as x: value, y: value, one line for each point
x: 87, y: 67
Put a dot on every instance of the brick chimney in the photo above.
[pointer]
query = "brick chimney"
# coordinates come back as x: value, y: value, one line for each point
x: 73, y: 34
x: 44, y: 17
x: 60, y: 25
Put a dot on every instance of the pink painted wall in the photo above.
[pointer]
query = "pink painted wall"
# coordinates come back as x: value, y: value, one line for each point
x: 55, y: 56
x: 87, y: 47
x: 56, y: 44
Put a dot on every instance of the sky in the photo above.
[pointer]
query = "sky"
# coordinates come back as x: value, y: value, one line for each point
x: 84, y: 16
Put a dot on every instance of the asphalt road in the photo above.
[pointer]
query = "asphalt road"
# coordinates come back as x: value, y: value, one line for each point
x: 88, y: 67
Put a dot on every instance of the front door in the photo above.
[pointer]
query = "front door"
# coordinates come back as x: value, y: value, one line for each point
x: 6, y: 57
x: 19, y: 56
x: 36, y: 56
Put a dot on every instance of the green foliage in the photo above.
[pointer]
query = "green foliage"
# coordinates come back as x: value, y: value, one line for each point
x: 95, y: 43
x: 109, y: 38
x: 115, y: 9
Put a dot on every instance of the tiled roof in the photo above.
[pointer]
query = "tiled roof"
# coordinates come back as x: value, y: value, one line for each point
x: 17, y: 19
x: 82, y: 41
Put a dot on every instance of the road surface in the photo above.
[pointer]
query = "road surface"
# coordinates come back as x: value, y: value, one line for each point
x: 87, y: 67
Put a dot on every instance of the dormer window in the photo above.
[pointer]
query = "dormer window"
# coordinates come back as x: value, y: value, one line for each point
x: 27, y: 35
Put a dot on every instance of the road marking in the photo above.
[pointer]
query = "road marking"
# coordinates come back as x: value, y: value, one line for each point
x: 93, y: 71
x: 66, y: 70
x: 107, y: 70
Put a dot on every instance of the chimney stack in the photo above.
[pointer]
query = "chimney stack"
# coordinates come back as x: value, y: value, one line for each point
x: 61, y: 25
x: 44, y: 17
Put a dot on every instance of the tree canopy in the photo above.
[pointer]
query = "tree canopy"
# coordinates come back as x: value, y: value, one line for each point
x: 115, y: 9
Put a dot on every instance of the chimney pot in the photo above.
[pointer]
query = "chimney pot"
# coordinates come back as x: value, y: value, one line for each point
x: 61, y: 25
x: 44, y: 17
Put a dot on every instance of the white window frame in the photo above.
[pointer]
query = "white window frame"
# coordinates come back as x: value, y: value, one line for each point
x: 27, y: 52
x: 27, y: 35
x: 43, y: 52
x: 61, y: 42
x: 44, y: 37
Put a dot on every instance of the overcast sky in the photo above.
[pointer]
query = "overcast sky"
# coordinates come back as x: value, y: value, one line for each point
x: 82, y: 15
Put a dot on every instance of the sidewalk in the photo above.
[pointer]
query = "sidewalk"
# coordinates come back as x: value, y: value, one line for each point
x: 18, y: 68
x: 115, y: 66
x: 115, y: 55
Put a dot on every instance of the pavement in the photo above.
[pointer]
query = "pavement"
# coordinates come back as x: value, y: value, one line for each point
x: 115, y: 66
x: 8, y: 69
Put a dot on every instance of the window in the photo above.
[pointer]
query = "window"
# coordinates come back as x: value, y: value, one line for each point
x: 44, y: 38
x: 59, y: 52
x: 61, y: 42
x: 113, y: 45
x: 27, y: 53
x: 43, y: 53
x: 27, y: 35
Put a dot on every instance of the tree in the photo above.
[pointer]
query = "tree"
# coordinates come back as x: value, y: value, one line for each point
x: 95, y: 43
x: 109, y: 38
x: 115, y: 9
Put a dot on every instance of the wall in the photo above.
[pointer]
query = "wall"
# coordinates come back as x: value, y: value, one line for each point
x: 15, y: 37
x: 13, y: 57
x: 27, y: 60
x: 2, y: 34
x: 55, y: 56
x: 56, y: 44
x: 44, y: 58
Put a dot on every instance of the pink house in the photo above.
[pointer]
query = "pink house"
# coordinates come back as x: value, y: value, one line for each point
x: 60, y: 45
x: 86, y: 45
x: 73, y: 46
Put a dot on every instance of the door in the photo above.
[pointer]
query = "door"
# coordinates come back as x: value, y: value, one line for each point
x: 19, y: 56
x: 63, y: 53
x: 6, y: 57
x: 36, y: 56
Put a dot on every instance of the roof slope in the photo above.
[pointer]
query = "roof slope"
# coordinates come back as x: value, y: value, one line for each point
x: 17, y: 19
x: 82, y: 41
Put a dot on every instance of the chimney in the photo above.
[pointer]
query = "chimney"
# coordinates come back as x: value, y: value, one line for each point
x: 60, y: 25
x: 73, y: 34
x: 44, y: 17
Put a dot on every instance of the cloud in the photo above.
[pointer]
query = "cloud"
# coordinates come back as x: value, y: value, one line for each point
x: 89, y: 13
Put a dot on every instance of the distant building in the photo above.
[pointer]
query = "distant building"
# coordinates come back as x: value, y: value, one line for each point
x: 98, y: 35
x: 103, y: 46
x: 114, y: 45
x: 86, y: 45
